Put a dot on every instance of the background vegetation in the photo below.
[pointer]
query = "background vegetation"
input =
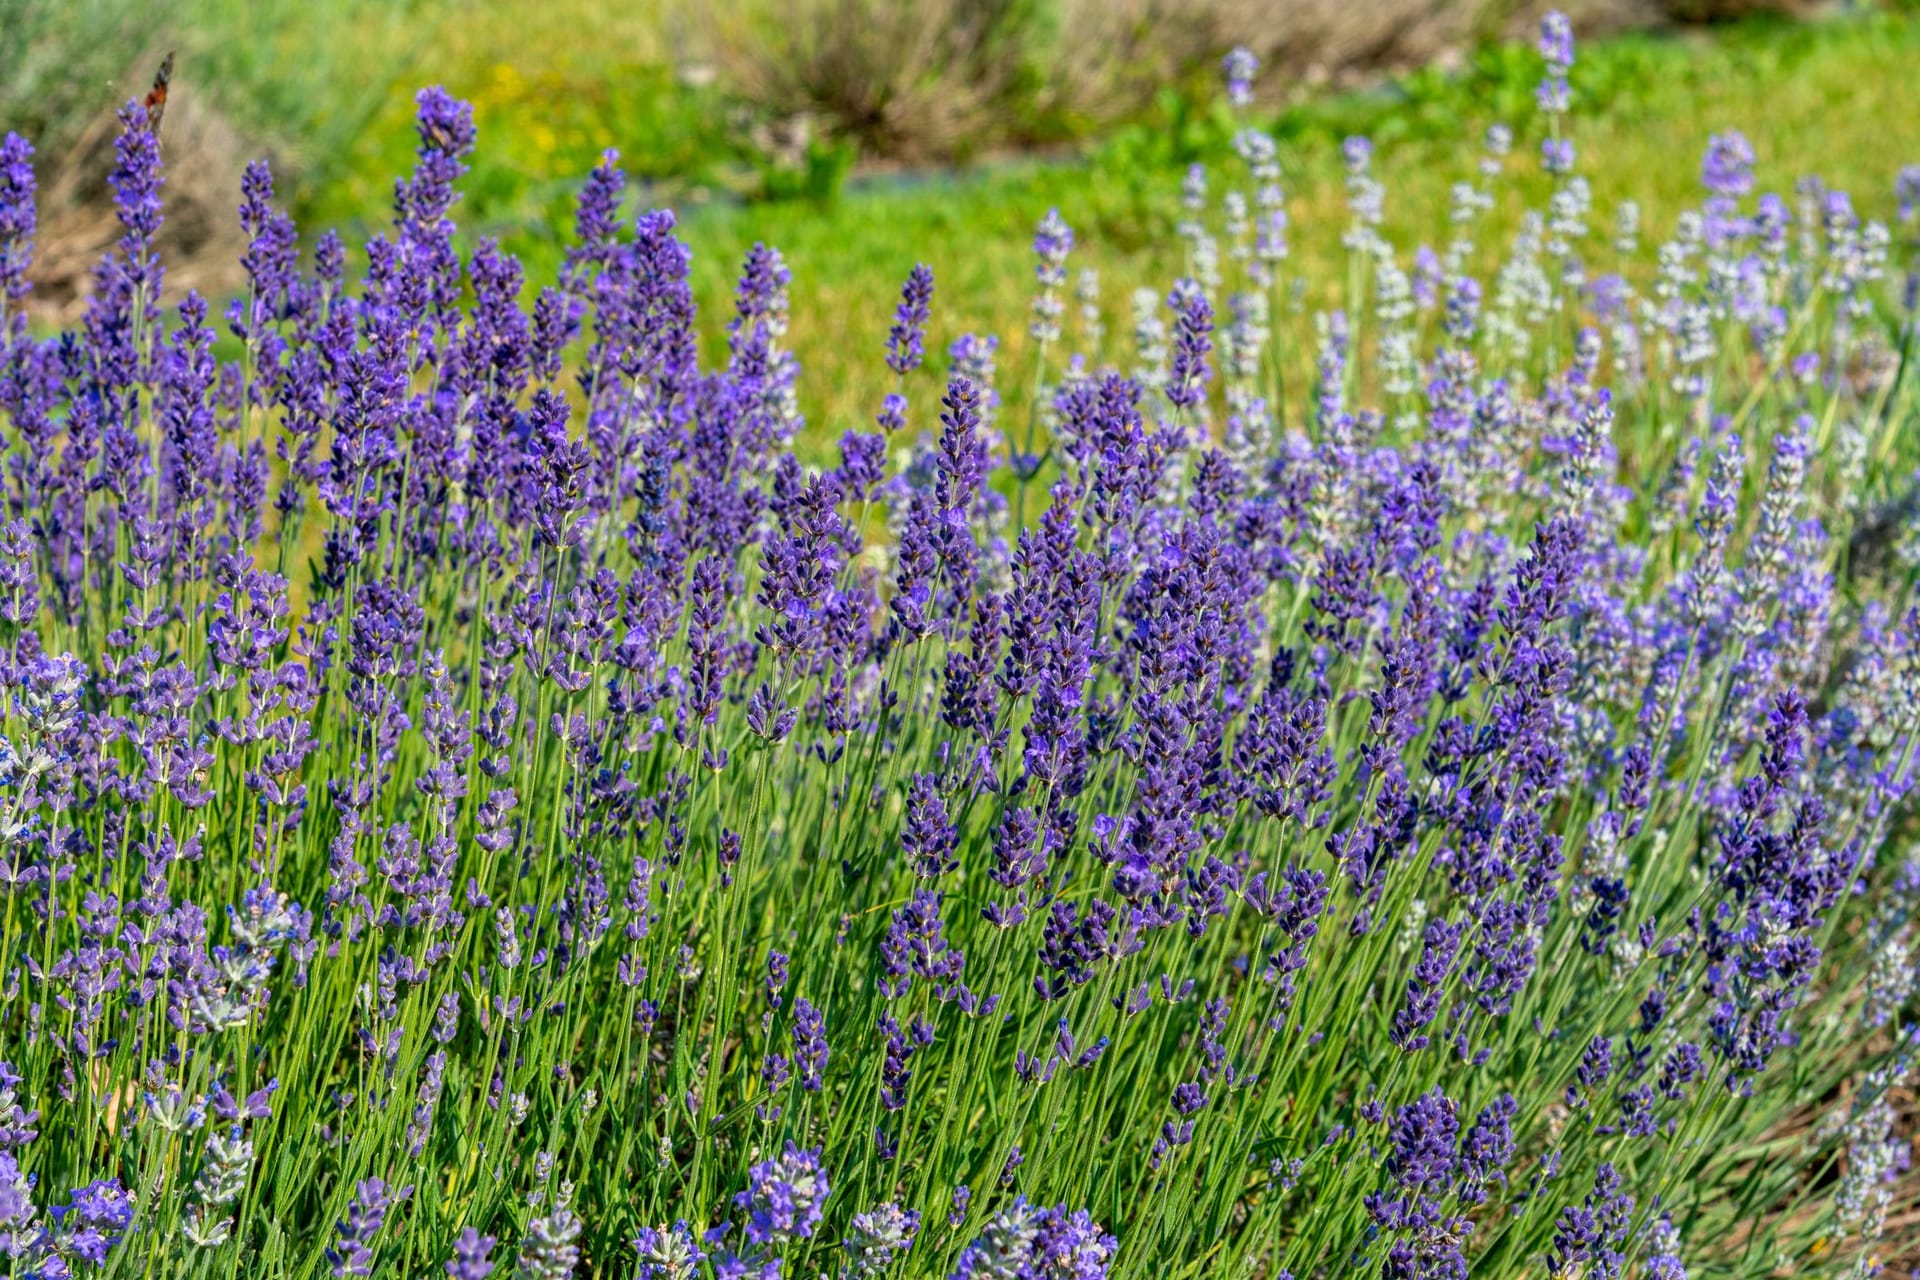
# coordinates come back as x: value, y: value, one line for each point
x: 810, y: 135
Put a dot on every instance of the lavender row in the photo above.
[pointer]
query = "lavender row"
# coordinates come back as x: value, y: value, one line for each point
x: 473, y: 802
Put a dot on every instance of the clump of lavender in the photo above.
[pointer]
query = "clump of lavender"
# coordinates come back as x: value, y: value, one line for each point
x: 1030, y: 1243
x: 1449, y: 821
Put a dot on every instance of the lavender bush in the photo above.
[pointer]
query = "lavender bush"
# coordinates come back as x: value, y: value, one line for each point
x: 474, y: 803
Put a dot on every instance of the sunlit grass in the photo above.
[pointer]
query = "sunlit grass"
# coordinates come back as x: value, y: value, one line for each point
x: 1831, y: 100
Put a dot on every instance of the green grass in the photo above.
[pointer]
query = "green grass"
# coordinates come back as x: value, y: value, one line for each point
x: 1834, y: 99
x: 556, y: 83
x: 1835, y: 102
x: 553, y: 85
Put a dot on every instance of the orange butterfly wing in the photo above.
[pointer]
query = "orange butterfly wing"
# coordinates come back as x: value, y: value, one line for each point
x: 156, y: 103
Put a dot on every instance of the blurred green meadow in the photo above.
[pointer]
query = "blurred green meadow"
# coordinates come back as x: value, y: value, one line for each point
x: 1835, y: 99
x: 554, y: 84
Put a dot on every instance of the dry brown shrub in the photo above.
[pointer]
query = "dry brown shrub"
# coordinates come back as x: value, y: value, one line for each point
x: 1314, y: 40
x: 915, y: 80
x: 900, y: 79
x: 920, y: 79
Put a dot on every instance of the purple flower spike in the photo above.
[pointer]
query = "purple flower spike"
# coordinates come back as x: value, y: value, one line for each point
x: 784, y: 1196
x: 1192, y: 343
x: 1240, y: 66
x: 472, y: 1256
x: 907, y: 339
x: 1727, y: 167
x: 1556, y: 41
x: 18, y: 217
x: 351, y: 1253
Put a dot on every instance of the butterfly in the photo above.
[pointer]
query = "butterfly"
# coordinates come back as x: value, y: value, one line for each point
x: 156, y: 103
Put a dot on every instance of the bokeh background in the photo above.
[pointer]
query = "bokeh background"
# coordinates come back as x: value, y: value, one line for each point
x: 860, y: 136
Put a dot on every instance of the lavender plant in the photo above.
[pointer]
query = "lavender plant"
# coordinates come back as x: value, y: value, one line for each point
x: 472, y: 801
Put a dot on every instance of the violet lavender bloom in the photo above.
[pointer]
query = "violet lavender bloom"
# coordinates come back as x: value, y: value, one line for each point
x: 596, y: 225
x: 1052, y: 242
x: 760, y: 308
x: 472, y: 1256
x: 1487, y: 1150
x: 915, y: 943
x: 863, y: 461
x: 878, y: 1237
x: 926, y: 835
x: 136, y: 180
x: 784, y: 1197
x: 1707, y: 576
x: 19, y: 1233
x: 19, y: 218
x: 896, y: 1072
x: 893, y: 413
x: 809, y: 1044
x: 907, y: 339
x: 1424, y: 1238
x: 272, y: 252
x: 351, y: 1253
x: 1070, y: 1245
x: 1423, y: 1138
x: 1906, y: 191
x: 1596, y: 1065
x: 1019, y: 858
x: 1240, y: 67
x: 17, y: 1123
x: 415, y: 277
x: 1727, y: 167
x: 93, y: 1220
x: 1595, y: 1231
x: 1188, y: 1098
x: 1192, y: 343
x: 776, y: 977
x: 1556, y: 41
x: 668, y: 1253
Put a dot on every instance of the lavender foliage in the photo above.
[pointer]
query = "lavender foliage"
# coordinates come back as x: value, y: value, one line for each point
x: 470, y: 794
